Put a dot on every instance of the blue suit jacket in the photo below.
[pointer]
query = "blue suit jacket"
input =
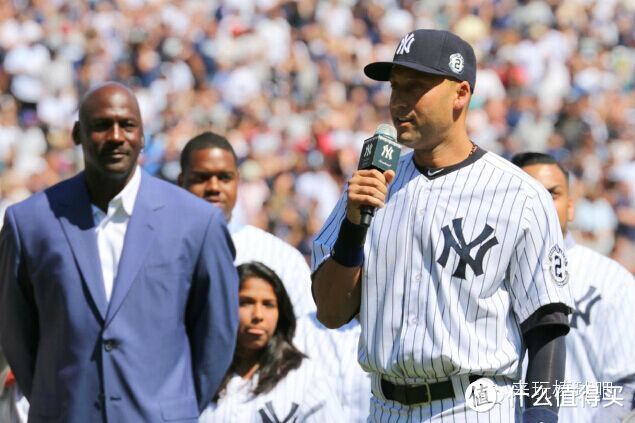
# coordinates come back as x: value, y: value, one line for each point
x: 159, y: 349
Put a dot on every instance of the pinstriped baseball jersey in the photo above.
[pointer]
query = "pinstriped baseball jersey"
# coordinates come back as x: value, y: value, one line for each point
x: 454, y: 262
x: 14, y: 408
x: 302, y: 396
x: 254, y: 244
x: 601, y: 343
x: 453, y: 410
x: 336, y: 351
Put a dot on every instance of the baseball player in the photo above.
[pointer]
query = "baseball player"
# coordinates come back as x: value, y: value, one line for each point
x: 209, y: 170
x: 601, y: 344
x: 462, y: 267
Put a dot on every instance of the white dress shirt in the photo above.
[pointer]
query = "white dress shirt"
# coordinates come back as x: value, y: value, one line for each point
x: 111, y: 229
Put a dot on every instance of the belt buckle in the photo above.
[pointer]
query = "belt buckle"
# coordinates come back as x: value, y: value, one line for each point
x: 428, y: 396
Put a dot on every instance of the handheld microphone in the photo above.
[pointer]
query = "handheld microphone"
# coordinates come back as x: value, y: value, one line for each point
x: 380, y: 152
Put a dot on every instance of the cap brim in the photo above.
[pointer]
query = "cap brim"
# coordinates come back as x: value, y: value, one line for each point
x: 380, y: 71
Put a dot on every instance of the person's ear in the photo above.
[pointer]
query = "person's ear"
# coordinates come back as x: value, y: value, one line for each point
x: 76, y: 138
x: 462, y: 95
x: 570, y: 210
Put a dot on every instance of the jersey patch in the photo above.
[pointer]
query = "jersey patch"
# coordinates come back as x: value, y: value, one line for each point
x: 558, y: 266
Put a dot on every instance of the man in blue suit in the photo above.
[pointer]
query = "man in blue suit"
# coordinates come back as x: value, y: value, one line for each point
x: 118, y: 294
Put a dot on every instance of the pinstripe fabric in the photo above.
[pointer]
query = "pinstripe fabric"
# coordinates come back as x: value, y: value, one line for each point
x: 336, y: 351
x: 302, y: 396
x: 14, y: 408
x: 449, y: 410
x: 254, y: 244
x: 419, y: 320
x: 601, y: 344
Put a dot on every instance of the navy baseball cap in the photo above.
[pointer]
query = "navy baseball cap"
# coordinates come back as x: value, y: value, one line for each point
x: 430, y: 51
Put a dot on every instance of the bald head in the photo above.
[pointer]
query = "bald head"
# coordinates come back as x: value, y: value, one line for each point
x: 95, y: 96
x: 110, y: 131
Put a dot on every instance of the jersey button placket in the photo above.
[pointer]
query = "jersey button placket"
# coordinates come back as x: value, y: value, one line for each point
x: 425, y: 191
x: 412, y: 318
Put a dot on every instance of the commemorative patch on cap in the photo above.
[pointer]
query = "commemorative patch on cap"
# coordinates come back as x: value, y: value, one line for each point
x: 456, y: 63
x: 558, y: 266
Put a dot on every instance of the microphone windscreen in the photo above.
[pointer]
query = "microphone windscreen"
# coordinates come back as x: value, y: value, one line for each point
x: 387, y: 130
x: 381, y: 151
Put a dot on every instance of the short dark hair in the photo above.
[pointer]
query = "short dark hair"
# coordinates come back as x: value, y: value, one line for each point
x: 204, y: 141
x: 280, y: 356
x: 533, y: 158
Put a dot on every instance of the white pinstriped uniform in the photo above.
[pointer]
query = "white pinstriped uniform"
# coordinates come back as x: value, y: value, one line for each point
x: 336, y: 351
x: 14, y: 408
x: 422, y: 324
x: 254, y: 244
x: 601, y: 344
x: 302, y: 396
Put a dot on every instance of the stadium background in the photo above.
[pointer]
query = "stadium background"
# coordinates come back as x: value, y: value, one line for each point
x: 283, y: 81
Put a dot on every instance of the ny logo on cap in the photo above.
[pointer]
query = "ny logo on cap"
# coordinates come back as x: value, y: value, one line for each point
x: 456, y: 63
x: 406, y: 42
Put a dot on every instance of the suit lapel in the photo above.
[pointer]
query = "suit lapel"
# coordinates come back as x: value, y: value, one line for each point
x: 137, y: 243
x: 76, y: 218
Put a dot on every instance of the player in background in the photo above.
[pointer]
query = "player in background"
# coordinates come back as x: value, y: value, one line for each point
x: 209, y: 170
x: 601, y: 343
x: 463, y: 265
x: 270, y: 380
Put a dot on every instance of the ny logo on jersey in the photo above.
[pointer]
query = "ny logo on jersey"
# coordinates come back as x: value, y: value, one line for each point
x: 457, y: 242
x: 589, y: 299
x: 404, y: 45
x: 268, y: 414
x: 387, y: 151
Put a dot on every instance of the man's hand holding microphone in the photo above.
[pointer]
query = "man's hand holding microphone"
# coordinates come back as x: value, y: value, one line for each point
x: 336, y: 284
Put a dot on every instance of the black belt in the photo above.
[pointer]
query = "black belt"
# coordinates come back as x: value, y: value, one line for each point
x: 420, y: 394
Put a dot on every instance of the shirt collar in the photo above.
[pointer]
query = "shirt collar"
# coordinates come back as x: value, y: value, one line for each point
x: 126, y: 198
x: 234, y: 227
x: 128, y: 195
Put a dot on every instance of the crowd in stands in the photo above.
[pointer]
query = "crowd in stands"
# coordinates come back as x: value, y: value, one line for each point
x: 283, y: 81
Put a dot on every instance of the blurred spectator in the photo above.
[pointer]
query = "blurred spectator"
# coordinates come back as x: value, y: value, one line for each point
x: 283, y: 78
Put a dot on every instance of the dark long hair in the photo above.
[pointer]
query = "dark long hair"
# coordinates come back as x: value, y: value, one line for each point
x: 279, y: 356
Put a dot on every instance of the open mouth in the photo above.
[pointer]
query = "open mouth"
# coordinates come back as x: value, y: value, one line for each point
x: 402, y: 120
